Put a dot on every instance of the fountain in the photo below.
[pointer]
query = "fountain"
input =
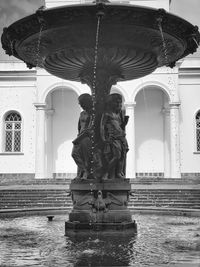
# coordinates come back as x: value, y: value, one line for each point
x: 100, y: 44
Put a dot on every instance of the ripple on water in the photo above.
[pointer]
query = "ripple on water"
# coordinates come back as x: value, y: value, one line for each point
x: 33, y: 241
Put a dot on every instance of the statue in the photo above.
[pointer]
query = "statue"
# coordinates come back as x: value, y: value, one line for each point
x: 89, y: 162
x: 111, y: 149
x: 112, y: 129
x: 81, y: 151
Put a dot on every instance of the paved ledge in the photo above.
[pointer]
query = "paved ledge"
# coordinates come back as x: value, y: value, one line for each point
x: 180, y: 265
x: 63, y: 210
x: 35, y: 187
x: 34, y: 211
x: 165, y: 186
x: 133, y: 186
x: 166, y: 211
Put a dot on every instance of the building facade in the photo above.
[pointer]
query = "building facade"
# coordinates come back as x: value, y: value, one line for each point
x: 39, y: 116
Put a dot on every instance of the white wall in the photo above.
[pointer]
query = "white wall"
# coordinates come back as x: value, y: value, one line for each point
x: 147, y: 3
x: 19, y: 97
x: 190, y: 104
x: 151, y: 3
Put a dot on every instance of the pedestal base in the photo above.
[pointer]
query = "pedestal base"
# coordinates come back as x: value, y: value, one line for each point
x: 100, y: 206
x: 77, y: 226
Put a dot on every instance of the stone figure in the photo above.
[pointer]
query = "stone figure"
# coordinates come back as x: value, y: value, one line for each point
x: 101, y: 204
x: 108, y: 158
x: 81, y: 152
x: 112, y: 129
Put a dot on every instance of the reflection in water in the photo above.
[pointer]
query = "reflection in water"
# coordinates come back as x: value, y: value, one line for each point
x: 33, y: 241
x: 102, y: 250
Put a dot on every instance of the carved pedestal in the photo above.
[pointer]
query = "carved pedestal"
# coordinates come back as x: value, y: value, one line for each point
x: 100, y: 206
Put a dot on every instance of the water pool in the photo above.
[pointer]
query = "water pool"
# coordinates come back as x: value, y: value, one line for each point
x: 160, y: 241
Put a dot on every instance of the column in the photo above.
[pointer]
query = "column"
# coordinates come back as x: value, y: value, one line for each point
x: 175, y: 140
x: 130, y: 135
x: 49, y: 142
x: 40, y: 141
x: 166, y: 141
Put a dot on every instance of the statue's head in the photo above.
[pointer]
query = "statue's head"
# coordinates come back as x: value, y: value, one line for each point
x: 114, y: 102
x: 85, y: 101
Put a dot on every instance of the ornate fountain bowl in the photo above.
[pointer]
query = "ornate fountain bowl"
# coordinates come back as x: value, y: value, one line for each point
x: 62, y: 40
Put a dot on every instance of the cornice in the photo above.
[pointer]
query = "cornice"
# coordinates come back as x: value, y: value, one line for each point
x: 40, y: 106
x: 18, y: 76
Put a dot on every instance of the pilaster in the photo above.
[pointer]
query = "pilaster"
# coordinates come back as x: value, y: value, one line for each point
x: 40, y: 168
x: 130, y: 135
x: 166, y: 141
x: 175, y: 140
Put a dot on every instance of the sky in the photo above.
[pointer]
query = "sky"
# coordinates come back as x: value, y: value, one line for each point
x: 12, y: 10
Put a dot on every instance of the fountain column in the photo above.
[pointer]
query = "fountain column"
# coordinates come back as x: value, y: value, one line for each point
x: 40, y: 141
x: 175, y: 140
x: 130, y: 135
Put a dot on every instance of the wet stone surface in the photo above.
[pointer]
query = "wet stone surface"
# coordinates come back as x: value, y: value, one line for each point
x: 161, y: 240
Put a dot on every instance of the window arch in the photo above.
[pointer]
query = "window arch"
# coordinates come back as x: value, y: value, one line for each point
x: 13, y: 128
x: 197, y: 120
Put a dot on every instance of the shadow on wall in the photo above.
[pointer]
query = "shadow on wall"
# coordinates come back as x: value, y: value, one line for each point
x: 62, y: 128
x: 150, y: 135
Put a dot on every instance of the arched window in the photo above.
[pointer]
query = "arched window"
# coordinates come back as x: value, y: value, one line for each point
x: 198, y: 131
x: 13, y: 125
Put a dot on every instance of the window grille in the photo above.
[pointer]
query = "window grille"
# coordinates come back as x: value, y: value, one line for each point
x: 13, y: 129
x: 198, y: 131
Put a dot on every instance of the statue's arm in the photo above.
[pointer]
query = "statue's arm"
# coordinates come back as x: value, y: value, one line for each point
x: 79, y: 126
x: 102, y: 127
x: 124, y: 119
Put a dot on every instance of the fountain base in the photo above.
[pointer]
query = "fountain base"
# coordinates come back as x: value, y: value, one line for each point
x: 100, y: 206
x: 123, y: 226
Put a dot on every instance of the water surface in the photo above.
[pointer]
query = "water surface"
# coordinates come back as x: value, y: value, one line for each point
x: 161, y: 240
